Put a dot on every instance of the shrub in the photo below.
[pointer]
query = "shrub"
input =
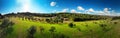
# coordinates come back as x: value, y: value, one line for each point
x: 78, y: 29
x: 91, y: 30
x: 52, y: 29
x: 71, y: 25
x: 6, y: 23
x: 86, y: 25
x: 6, y: 28
x: 41, y: 29
x: 59, y: 35
x: 115, y: 22
x: 103, y: 25
x: 9, y: 30
x: 31, y: 31
x: 77, y: 19
x: 95, y: 22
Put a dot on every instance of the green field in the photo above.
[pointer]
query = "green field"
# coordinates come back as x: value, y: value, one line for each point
x: 84, y: 29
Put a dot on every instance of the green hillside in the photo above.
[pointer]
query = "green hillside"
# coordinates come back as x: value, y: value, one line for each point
x: 30, y: 25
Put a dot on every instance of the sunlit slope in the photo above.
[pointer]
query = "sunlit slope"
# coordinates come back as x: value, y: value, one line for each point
x: 86, y: 29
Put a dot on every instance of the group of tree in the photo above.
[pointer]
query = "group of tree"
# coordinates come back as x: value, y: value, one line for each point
x: 6, y: 28
x: 32, y: 30
x: 104, y: 27
x: 52, y: 30
x: 71, y: 25
x: 1, y: 16
x: 60, y: 16
x: 55, y: 20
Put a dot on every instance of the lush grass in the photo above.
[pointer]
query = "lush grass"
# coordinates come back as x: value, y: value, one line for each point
x: 88, y: 29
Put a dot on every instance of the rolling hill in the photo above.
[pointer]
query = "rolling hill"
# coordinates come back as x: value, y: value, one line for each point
x: 58, y: 25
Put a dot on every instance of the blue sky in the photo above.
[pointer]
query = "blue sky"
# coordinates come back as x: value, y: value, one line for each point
x: 106, y: 7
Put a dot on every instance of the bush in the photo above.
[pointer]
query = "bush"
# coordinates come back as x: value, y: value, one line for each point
x: 41, y: 29
x: 86, y: 25
x: 115, y: 22
x: 6, y: 23
x: 103, y: 25
x: 6, y: 28
x: 61, y: 36
x: 95, y: 22
x: 31, y: 31
x: 52, y: 29
x: 78, y: 29
x: 77, y: 19
x: 71, y: 25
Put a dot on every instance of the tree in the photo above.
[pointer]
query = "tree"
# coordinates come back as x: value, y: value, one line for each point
x: 71, y: 25
x: 48, y: 20
x: 78, y: 29
x: 6, y: 28
x: 6, y: 23
x: 86, y: 25
x: 31, y: 31
x: 41, y: 29
x: 52, y: 29
x: 60, y: 35
x: 115, y: 22
x: 103, y: 25
x: 1, y: 16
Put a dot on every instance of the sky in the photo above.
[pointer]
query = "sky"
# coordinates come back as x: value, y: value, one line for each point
x: 98, y: 7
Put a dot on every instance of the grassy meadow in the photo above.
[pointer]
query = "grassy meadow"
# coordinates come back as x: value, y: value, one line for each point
x: 83, y: 29
x: 58, y: 25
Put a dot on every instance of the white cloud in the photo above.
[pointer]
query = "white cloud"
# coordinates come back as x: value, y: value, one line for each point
x: 65, y: 10
x: 73, y: 11
x: 100, y: 13
x: 52, y: 3
x: 106, y: 10
x: 91, y: 10
x: 80, y: 8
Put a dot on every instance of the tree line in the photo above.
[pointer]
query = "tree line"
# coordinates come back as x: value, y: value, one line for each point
x: 59, y: 17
